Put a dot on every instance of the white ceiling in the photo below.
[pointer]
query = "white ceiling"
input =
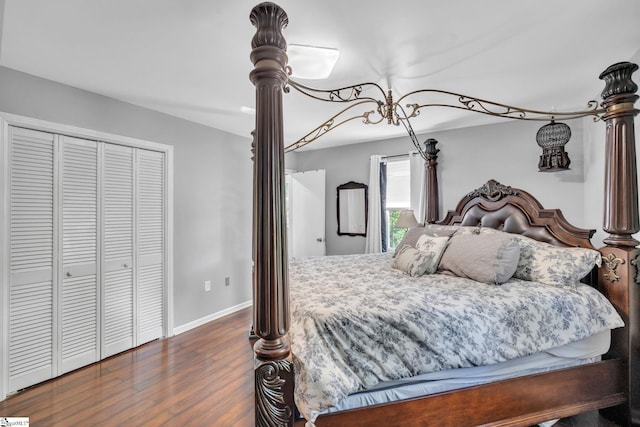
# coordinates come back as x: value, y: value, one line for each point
x: 190, y: 58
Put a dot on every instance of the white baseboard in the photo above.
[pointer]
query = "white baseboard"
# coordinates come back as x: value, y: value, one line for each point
x: 199, y: 322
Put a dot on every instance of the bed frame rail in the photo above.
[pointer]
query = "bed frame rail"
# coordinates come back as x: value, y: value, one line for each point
x: 523, y: 401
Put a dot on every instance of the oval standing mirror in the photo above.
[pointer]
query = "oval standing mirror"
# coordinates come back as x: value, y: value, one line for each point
x: 352, y: 209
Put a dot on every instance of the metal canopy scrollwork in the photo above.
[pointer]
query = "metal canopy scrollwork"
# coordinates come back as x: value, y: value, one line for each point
x: 491, y: 108
x: 375, y: 111
x: 384, y: 108
x: 611, y: 263
x: 333, y: 122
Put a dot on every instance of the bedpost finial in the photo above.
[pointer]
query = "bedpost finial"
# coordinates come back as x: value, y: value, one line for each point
x: 269, y: 19
x: 430, y: 148
x: 618, y: 80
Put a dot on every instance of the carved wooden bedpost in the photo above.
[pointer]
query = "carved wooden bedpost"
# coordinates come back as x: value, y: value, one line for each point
x: 273, y: 364
x: 432, y: 199
x: 619, y: 278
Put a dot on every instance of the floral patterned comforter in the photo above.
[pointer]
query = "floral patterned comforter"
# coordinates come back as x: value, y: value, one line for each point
x: 356, y: 322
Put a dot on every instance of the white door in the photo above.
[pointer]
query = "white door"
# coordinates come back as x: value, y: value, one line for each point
x: 307, y: 214
x: 150, y: 205
x: 118, y: 249
x: 32, y: 269
x: 134, y: 247
x: 78, y: 276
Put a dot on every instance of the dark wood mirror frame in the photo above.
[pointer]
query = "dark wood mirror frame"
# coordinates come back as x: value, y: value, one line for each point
x: 361, y: 227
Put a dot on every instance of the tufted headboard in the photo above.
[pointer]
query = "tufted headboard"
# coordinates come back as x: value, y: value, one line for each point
x: 516, y: 211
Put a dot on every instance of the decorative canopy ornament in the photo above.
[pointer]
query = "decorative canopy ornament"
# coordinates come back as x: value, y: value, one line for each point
x: 552, y: 137
x: 383, y: 108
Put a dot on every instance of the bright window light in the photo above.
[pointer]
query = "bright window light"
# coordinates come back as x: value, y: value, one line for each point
x: 312, y: 62
x: 398, y: 184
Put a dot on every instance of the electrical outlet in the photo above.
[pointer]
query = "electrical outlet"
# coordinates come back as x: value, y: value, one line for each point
x: 207, y: 285
x: 227, y: 281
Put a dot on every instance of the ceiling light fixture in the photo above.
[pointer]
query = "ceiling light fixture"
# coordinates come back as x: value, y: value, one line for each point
x: 311, y: 62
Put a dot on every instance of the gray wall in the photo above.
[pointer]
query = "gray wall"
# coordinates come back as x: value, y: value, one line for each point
x: 594, y: 137
x: 212, y: 185
x: 468, y: 158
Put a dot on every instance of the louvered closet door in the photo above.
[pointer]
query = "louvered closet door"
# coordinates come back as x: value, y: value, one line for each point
x: 78, y: 294
x: 150, y: 206
x: 31, y: 259
x: 118, y: 219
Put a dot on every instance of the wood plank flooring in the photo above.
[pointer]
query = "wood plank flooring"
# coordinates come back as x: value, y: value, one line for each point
x: 201, y: 378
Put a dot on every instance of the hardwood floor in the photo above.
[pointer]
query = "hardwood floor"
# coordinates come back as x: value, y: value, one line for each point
x: 201, y: 378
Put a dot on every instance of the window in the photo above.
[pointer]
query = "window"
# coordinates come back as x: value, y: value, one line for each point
x: 398, y: 197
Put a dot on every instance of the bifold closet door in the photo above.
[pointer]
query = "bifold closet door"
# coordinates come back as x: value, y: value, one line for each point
x: 133, y: 218
x: 53, y: 295
x: 31, y: 260
x: 78, y: 291
x: 87, y: 266
x: 118, y: 253
x: 150, y: 207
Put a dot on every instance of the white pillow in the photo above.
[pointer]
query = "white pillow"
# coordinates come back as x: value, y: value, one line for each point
x: 413, y: 234
x: 423, y: 259
x: 487, y: 258
x: 554, y: 265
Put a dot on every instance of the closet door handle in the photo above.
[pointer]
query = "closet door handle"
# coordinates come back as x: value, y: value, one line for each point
x: 125, y: 265
x: 69, y: 274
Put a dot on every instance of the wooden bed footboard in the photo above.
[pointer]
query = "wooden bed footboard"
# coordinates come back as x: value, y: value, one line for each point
x: 612, y: 383
x: 517, y: 402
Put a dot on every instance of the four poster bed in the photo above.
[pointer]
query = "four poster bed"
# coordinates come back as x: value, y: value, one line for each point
x: 315, y: 317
